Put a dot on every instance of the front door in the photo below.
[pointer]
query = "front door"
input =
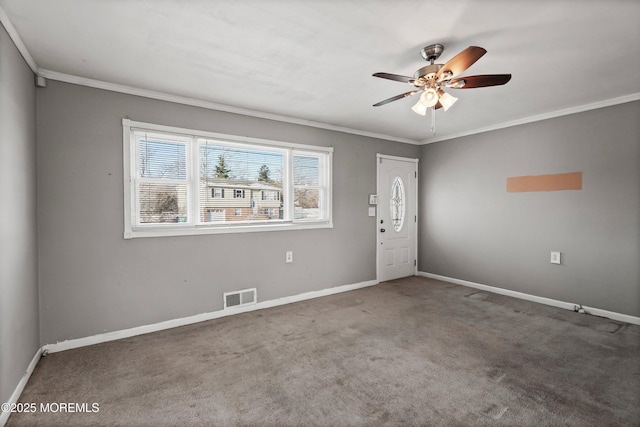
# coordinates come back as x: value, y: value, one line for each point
x: 397, y: 217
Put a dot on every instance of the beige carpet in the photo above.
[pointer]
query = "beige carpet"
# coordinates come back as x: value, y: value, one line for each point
x: 409, y: 352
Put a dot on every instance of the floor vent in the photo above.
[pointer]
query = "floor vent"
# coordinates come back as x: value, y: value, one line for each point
x: 240, y: 298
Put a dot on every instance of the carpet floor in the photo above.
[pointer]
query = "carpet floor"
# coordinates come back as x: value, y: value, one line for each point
x: 409, y: 352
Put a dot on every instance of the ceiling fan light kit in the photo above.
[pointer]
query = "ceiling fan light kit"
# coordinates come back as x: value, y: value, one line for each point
x: 429, y: 97
x: 420, y: 108
x: 445, y: 99
x: 431, y: 79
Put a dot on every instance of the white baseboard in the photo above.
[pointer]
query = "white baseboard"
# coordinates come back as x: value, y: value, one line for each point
x: 542, y: 300
x: 4, y: 416
x: 611, y: 315
x: 174, y: 323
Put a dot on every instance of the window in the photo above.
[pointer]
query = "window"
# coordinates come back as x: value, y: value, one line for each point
x: 162, y: 183
x: 308, y: 186
x: 270, y: 195
x: 180, y: 181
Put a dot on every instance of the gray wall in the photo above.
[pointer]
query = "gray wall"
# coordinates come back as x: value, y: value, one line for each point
x: 93, y: 281
x: 19, y: 339
x: 472, y: 229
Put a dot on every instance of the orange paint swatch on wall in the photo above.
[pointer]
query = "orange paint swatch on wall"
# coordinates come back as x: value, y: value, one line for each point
x: 551, y: 182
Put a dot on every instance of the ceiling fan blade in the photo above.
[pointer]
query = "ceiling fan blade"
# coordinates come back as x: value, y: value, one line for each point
x: 484, y: 80
x: 461, y: 62
x: 395, y: 98
x: 396, y: 77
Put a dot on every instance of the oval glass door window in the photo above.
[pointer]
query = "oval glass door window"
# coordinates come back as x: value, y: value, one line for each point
x: 397, y: 203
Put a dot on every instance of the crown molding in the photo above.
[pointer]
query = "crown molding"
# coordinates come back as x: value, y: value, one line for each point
x: 68, y: 78
x: 130, y: 90
x: 13, y: 35
x: 553, y: 114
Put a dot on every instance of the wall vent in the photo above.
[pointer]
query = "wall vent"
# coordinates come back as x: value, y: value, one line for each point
x: 240, y: 298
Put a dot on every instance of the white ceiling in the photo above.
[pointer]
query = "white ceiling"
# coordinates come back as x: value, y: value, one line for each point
x: 312, y: 60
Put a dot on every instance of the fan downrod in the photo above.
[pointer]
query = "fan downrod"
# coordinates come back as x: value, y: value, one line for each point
x: 432, y: 52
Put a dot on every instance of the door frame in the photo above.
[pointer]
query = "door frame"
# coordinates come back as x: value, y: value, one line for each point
x: 380, y: 157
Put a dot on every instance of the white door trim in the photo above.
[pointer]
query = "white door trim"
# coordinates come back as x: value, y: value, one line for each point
x: 377, y: 224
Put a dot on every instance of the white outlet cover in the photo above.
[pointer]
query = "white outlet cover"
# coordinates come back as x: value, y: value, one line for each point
x: 555, y: 257
x: 372, y: 211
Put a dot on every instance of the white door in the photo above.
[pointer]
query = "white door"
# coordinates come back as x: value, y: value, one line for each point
x: 397, y: 217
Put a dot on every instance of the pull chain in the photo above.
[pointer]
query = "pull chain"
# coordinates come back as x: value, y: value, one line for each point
x: 433, y: 121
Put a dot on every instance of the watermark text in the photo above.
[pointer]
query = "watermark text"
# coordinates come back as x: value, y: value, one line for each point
x: 51, y: 407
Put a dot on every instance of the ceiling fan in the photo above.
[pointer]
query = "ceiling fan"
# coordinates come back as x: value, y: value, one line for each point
x: 433, y: 78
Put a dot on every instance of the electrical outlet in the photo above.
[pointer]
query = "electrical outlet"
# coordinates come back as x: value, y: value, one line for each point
x: 288, y: 257
x: 555, y: 257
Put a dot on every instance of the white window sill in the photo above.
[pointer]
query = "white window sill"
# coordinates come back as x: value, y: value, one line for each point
x: 190, y: 230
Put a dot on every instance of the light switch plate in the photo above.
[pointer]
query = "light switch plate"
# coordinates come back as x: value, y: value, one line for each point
x: 372, y: 211
x: 373, y: 199
x: 555, y: 257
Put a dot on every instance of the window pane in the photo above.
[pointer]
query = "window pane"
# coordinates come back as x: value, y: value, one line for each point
x: 162, y: 203
x: 306, y: 203
x: 246, y: 183
x: 397, y: 203
x: 306, y: 171
x: 158, y: 158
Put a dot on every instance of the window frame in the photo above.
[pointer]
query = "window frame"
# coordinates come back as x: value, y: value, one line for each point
x: 193, y: 225
x: 322, y: 183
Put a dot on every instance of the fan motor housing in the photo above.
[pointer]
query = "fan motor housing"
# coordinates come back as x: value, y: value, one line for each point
x: 426, y: 74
